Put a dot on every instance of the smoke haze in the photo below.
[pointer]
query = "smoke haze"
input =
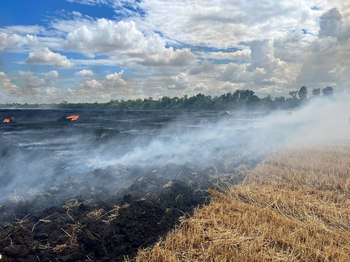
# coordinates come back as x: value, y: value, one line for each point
x: 40, y: 154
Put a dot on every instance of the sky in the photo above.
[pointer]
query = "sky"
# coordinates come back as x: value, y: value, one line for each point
x: 99, y: 50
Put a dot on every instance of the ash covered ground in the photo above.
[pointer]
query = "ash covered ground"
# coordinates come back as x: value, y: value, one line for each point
x: 99, y: 188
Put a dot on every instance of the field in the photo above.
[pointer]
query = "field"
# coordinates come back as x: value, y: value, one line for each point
x: 294, y: 206
x: 112, y: 182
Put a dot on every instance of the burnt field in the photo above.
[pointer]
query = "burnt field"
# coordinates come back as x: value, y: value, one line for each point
x: 111, y: 182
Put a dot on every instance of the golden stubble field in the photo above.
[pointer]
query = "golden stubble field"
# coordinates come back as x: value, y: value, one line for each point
x: 294, y: 206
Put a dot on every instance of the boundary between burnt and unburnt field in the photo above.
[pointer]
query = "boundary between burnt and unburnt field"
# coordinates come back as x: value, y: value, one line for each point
x: 294, y: 206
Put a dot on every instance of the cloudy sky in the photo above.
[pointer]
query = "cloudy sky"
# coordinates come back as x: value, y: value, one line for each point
x: 98, y: 50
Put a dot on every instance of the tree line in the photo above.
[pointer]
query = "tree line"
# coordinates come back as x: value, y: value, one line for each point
x: 239, y: 100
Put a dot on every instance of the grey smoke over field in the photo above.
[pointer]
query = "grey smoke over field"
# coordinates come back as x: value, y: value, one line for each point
x: 47, y: 159
x: 321, y: 122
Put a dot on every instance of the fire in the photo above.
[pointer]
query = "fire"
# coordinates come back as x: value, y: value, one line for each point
x: 72, y: 117
x: 7, y: 119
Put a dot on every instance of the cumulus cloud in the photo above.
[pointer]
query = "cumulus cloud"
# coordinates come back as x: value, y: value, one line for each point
x: 113, y: 86
x: 34, y: 89
x: 326, y: 63
x: 237, y: 73
x: 51, y: 77
x: 123, y: 38
x: 52, y: 74
x: 326, y: 59
x: 7, y: 88
x: 181, y: 81
x: 45, y: 56
x: 186, y: 47
x: 330, y: 23
x: 85, y: 73
x: 169, y: 56
x: 261, y: 54
x: 202, y: 68
x: 12, y: 40
x: 116, y: 77
x: 29, y: 80
x: 227, y: 23
x: 28, y: 88
x: 264, y: 70
x: 106, y: 37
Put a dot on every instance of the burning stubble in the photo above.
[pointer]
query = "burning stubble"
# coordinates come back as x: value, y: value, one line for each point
x: 8, y: 120
x: 72, y: 118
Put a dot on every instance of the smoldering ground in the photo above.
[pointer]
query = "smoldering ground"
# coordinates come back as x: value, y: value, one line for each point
x: 39, y: 153
x: 126, y: 178
x: 36, y: 158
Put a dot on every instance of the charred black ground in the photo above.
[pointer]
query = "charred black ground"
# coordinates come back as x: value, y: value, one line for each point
x: 74, y: 212
x: 99, y: 227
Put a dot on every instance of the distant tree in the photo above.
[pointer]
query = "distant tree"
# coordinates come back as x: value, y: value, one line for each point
x: 240, y: 99
x: 253, y: 101
x: 267, y: 101
x: 328, y: 91
x: 316, y: 92
x: 244, y: 95
x: 279, y: 100
x: 293, y: 93
x: 302, y: 93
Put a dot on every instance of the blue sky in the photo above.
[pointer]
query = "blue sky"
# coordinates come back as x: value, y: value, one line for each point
x: 98, y: 50
x: 38, y: 12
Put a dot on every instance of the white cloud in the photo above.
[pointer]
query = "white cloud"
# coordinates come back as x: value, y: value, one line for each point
x: 85, y: 73
x: 290, y: 48
x: 227, y: 23
x: 264, y: 70
x: 7, y: 89
x: 52, y: 74
x: 113, y: 86
x: 28, y: 88
x: 24, y: 30
x: 330, y: 23
x: 110, y: 61
x: 106, y: 37
x: 171, y: 57
x: 282, y: 45
x: 202, y: 68
x: 326, y: 63
x: 13, y: 41
x: 91, y: 85
x: 261, y: 54
x: 181, y: 81
x: 51, y: 78
x: 241, y: 56
x: 63, y: 26
x: 236, y: 73
x: 116, y: 77
x: 123, y: 39
x: 33, y: 89
x: 45, y: 56
x: 29, y: 80
x: 326, y: 59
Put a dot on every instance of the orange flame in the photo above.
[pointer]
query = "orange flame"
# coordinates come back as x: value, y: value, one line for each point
x: 72, y: 117
x: 7, y: 120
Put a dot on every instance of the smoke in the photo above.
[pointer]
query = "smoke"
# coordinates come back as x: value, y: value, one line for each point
x: 322, y: 122
x: 110, y: 151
